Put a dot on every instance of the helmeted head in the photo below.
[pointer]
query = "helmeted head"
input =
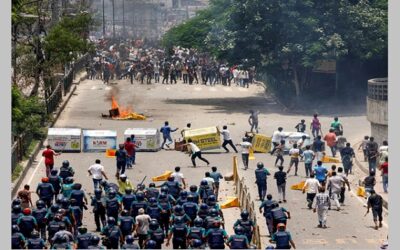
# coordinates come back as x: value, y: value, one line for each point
x: 140, y: 196
x: 128, y: 190
x: 153, y: 201
x: 204, y: 184
x: 178, y: 210
x: 112, y: 193
x: 16, y: 209
x: 65, y: 163
x: 281, y: 226
x: 27, y: 211
x: 124, y: 212
x: 171, y: 178
x: 151, y: 244
x: 152, y: 185
x: 111, y: 221
x: 162, y: 196
x: 94, y: 240
x: 196, y: 243
x: 203, y: 206
x: 153, y: 225
x: 54, y: 208
x: 54, y: 171
x: 216, y: 224
x: 193, y: 188
x: 269, y: 196
x: 77, y: 186
x: 103, y: 183
x: 123, y: 177
x: 244, y: 214
x: 183, y: 194
x: 15, y: 229
x: 129, y: 239
x: 198, y: 222
x: 69, y: 180
x: 239, y: 230
x: 260, y: 165
x: 45, y: 179
x: 40, y: 204
x: 65, y: 202
x: 190, y: 198
x: 16, y: 201
x: 211, y: 200
x: 82, y: 230
x: 164, y: 189
x: 213, y: 212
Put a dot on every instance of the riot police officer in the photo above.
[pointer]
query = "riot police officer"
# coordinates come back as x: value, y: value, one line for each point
x: 126, y: 223
x: 15, y: 214
x: 282, y: 238
x: 261, y: 180
x: 138, y: 204
x: 40, y: 215
x: 79, y: 195
x: 83, y: 239
x: 152, y: 191
x: 246, y: 223
x: 182, y: 197
x: 191, y: 208
x: 99, y: 208
x: 17, y: 238
x: 128, y: 198
x: 279, y: 215
x: 179, y: 232
x: 156, y: 233
x: 35, y: 242
x: 268, y: 205
x: 173, y: 187
x: 45, y: 191
x: 27, y: 223
x: 196, y: 232
x: 56, y: 181
x: 129, y: 243
x: 95, y: 243
x: 216, y: 236
x: 193, y: 192
x: 154, y: 209
x: 179, y: 214
x: 113, y: 234
x: 165, y: 212
x: 205, y: 191
x: 113, y: 206
x: 238, y: 240
x: 66, y: 170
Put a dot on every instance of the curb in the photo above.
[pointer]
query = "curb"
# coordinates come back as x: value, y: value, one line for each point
x: 366, y: 171
x: 26, y: 165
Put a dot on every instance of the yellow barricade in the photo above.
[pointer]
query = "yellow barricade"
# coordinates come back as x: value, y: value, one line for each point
x: 361, y: 191
x: 110, y: 153
x: 251, y: 154
x: 261, y: 143
x: 328, y: 159
x: 235, y: 169
x: 230, y: 202
x: 298, y: 186
x: 162, y: 177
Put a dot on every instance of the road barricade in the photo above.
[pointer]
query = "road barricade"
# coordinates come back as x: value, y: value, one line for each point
x: 204, y: 138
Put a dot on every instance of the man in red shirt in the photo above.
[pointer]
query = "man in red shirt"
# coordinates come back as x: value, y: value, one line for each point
x: 385, y: 174
x: 330, y: 139
x: 48, y: 155
x: 130, y: 148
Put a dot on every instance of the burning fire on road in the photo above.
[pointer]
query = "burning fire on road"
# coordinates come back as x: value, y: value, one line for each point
x: 118, y: 112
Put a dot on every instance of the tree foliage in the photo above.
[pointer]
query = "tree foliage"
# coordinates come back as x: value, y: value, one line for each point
x: 288, y: 38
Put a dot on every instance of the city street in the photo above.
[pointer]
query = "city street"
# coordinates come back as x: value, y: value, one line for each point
x: 206, y: 106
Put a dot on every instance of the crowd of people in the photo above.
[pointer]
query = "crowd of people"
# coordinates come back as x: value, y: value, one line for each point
x: 141, y: 64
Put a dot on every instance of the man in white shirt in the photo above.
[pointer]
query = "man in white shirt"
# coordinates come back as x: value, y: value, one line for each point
x: 195, y: 152
x: 277, y: 136
x: 294, y: 159
x: 227, y: 139
x: 245, y: 145
x: 178, y: 177
x: 142, y: 226
x: 335, y: 183
x: 97, y: 171
x: 209, y: 180
x: 311, y: 186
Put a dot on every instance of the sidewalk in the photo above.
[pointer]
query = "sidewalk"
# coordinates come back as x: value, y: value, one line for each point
x: 363, y: 166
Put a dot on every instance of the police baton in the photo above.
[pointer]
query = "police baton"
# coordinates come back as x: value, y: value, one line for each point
x: 138, y: 185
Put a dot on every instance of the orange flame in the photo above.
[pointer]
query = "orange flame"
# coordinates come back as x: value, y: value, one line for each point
x: 124, y: 112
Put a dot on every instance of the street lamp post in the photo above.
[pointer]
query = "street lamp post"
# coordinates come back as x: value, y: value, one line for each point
x: 113, y: 19
x: 104, y: 23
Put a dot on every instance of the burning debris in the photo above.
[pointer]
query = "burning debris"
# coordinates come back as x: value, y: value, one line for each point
x: 122, y: 113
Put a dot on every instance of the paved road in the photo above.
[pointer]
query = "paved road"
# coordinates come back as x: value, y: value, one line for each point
x: 209, y: 106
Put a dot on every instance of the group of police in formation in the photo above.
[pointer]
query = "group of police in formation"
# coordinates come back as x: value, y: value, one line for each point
x: 190, y: 218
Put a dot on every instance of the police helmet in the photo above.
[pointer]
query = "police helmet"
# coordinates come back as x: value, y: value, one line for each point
x: 124, y: 212
x: 77, y: 186
x: 213, y: 212
x: 112, y: 193
x: 211, y: 199
x: 82, y: 230
x: 244, y: 214
x: 140, y: 196
x: 94, y: 240
x: 203, y: 206
x: 162, y: 196
x: 129, y: 239
x: 65, y: 163
x: 59, y: 198
x: 151, y: 244
x: 239, y: 230
x: 198, y: 222
x: 152, y: 200
x: 111, y: 221
x: 141, y: 187
x: 152, y: 185
x: 40, y: 204
x: 153, y: 224
x: 69, y: 180
x: 54, y: 208
x: 216, y: 224
x: 164, y: 189
x: 190, y: 198
x: 203, y: 183
x: 15, y: 229
x: 178, y: 209
x: 27, y: 211
x: 193, y: 188
x: 196, y: 243
x: 16, y: 201
x: 16, y: 209
x: 281, y: 226
x: 103, y: 183
x: 54, y: 171
x: 65, y: 202
x: 98, y: 191
x: 183, y: 194
x: 260, y: 164
x: 128, y: 190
